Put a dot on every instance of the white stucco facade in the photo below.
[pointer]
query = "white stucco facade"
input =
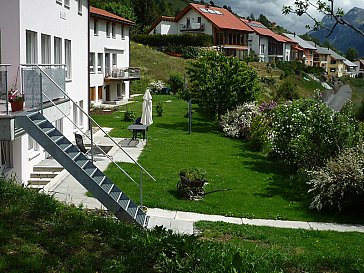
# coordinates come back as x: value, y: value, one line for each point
x: 193, y: 16
x: 32, y: 32
x: 259, y: 44
x: 109, y: 51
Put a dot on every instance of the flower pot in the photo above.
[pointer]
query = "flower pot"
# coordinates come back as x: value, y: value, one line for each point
x: 17, y: 106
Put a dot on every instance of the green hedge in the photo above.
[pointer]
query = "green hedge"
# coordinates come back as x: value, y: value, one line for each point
x: 165, y: 40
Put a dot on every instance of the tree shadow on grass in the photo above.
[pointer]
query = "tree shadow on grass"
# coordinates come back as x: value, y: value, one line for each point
x: 289, y: 185
x: 197, y: 126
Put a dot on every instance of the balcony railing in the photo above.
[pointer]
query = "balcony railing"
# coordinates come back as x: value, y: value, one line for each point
x: 4, y: 88
x: 34, y: 84
x: 123, y: 73
x: 192, y: 27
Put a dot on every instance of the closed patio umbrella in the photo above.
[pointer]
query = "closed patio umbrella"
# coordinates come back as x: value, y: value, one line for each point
x: 147, y: 108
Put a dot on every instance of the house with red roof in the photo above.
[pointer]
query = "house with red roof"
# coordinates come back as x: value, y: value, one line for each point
x: 110, y: 74
x: 229, y: 33
x: 268, y: 45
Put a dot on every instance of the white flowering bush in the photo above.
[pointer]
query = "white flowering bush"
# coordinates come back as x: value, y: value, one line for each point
x: 156, y: 87
x: 306, y: 133
x: 237, y: 123
x: 340, y: 182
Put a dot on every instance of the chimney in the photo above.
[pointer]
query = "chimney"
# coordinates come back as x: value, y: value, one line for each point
x: 294, y: 34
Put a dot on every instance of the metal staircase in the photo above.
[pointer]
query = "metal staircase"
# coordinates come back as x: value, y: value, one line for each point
x: 82, y: 168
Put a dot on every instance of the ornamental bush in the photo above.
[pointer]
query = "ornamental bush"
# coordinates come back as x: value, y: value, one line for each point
x: 306, y: 133
x: 236, y: 123
x: 220, y: 83
x: 340, y: 183
x: 156, y: 87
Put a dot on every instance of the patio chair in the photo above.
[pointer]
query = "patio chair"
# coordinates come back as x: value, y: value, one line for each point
x: 140, y: 132
x: 81, y: 146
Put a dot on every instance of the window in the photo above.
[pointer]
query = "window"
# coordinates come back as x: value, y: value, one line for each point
x: 75, y: 116
x: 80, y: 113
x: 79, y: 3
x: 262, y: 49
x: 59, y: 1
x: 31, y: 47
x: 57, y: 50
x: 188, y: 22
x: 96, y: 27
x: 46, y: 49
x: 67, y: 3
x: 107, y: 64
x: 32, y: 144
x: 68, y: 58
x: 92, y: 62
x: 99, y: 62
x: 114, y: 60
x: 113, y: 30
x: 6, y: 154
x: 123, y: 33
x: 199, y: 19
x: 107, y: 29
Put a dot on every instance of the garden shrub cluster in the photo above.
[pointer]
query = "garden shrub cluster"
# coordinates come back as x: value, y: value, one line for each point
x: 202, y: 40
x: 236, y: 123
x: 307, y: 135
x: 156, y: 87
x: 187, y: 52
x: 340, y: 182
x: 176, y: 82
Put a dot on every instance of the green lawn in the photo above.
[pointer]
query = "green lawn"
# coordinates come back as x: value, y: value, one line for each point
x: 292, y: 250
x: 260, y: 188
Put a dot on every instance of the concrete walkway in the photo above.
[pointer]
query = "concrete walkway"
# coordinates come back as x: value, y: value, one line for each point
x: 66, y: 189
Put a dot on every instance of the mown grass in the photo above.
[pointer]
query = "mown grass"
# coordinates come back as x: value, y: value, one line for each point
x: 295, y: 249
x: 39, y: 234
x: 259, y: 187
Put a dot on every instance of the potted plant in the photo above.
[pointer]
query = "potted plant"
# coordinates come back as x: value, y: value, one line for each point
x: 16, y: 102
x: 191, y: 184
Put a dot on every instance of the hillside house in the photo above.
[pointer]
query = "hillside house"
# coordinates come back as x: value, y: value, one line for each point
x: 268, y: 45
x: 44, y: 44
x: 230, y: 35
x: 350, y: 69
x: 360, y: 67
x: 335, y: 67
x: 110, y: 74
x: 308, y: 49
x: 320, y: 56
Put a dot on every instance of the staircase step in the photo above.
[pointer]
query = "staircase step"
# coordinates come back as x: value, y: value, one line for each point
x: 44, y: 174
x: 45, y: 168
x: 39, y: 181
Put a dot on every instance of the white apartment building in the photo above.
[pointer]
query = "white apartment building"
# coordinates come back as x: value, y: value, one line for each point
x: 51, y: 33
x: 110, y: 74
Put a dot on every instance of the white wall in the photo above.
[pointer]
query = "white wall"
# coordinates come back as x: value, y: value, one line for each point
x: 193, y: 14
x: 286, y: 52
x: 119, y: 45
x: 54, y: 19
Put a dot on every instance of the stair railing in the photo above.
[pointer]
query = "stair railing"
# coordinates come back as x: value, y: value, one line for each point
x: 142, y: 169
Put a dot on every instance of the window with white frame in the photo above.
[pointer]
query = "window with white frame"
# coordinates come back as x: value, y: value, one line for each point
x: 122, y: 32
x: 67, y: 3
x: 113, y: 30
x: 80, y: 118
x: 79, y: 3
x: 114, y: 60
x: 46, y: 48
x: 57, y: 50
x: 262, y: 49
x: 68, y: 58
x: 31, y: 47
x: 75, y: 116
x: 32, y: 144
x: 92, y: 62
x: 96, y: 27
x: 59, y: 1
x: 6, y: 154
x: 100, y: 58
x: 107, y: 29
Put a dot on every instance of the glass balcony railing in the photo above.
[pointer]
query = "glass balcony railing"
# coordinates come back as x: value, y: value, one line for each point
x: 37, y: 88
x: 123, y: 73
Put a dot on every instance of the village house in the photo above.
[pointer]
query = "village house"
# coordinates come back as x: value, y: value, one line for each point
x: 335, y: 67
x: 268, y: 45
x: 320, y: 56
x: 308, y: 49
x: 110, y: 74
x: 41, y: 42
x: 350, y: 69
x: 230, y: 35
x: 360, y: 67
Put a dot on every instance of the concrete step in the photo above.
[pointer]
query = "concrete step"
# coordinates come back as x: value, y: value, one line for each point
x: 44, y: 174
x: 40, y: 168
x: 38, y: 181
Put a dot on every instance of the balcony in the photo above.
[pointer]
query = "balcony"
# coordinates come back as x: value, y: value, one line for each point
x: 122, y: 73
x: 192, y: 27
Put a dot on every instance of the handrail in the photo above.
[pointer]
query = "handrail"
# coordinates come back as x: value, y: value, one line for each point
x: 121, y: 169
x: 84, y: 112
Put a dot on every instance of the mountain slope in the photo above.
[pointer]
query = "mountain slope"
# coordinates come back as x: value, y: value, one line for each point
x: 344, y: 37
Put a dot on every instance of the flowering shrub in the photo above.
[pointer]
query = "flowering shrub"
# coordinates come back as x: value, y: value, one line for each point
x: 237, y: 123
x: 156, y: 87
x: 340, y: 182
x: 306, y: 133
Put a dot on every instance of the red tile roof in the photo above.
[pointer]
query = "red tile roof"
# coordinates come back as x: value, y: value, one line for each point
x: 108, y: 15
x: 262, y: 30
x: 219, y: 17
